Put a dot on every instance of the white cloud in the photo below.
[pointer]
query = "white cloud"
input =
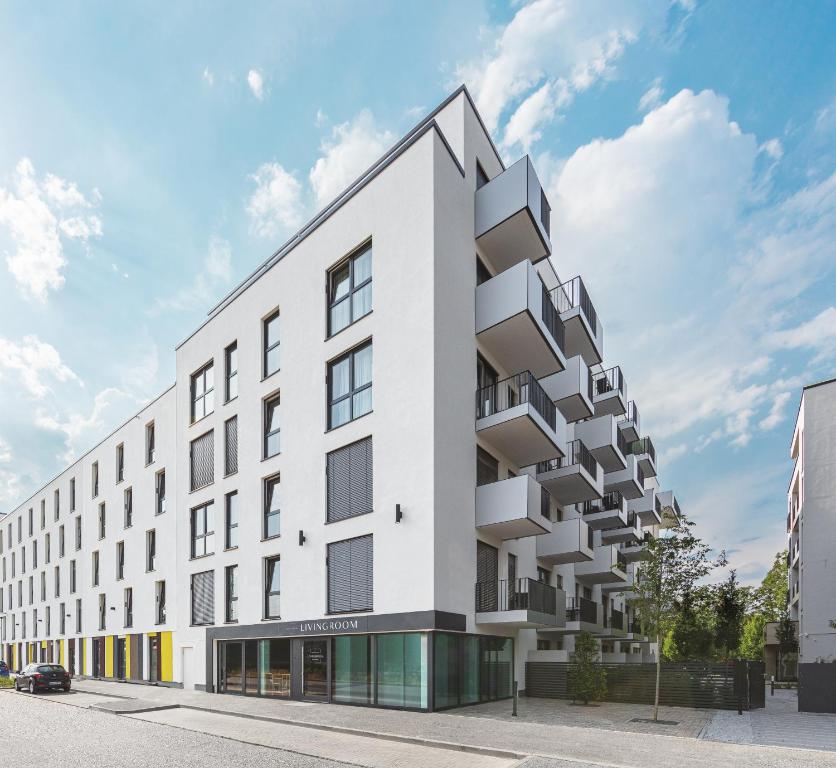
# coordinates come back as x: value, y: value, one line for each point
x: 320, y: 119
x: 9, y: 480
x: 817, y: 334
x: 37, y: 214
x: 215, y: 273
x: 256, y: 83
x: 276, y: 205
x: 538, y: 109
x: 209, y: 76
x: 773, y: 148
x: 776, y: 412
x: 34, y: 361
x: 352, y: 148
x: 652, y: 97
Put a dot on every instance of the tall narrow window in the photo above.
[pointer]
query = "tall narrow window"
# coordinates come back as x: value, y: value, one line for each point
x: 350, y: 386
x: 129, y: 607
x: 231, y: 520
x: 120, y: 560
x: 202, y: 456
x: 272, y: 344
x: 72, y: 576
x: 349, y: 473
x: 78, y: 533
x: 47, y: 547
x: 231, y: 446
x: 78, y: 616
x: 231, y: 371
x: 62, y: 623
x: 203, y: 392
x: 102, y: 612
x: 160, y: 493
x: 102, y: 520
x: 43, y: 514
x: 272, y: 507
x: 272, y: 588
x: 61, y: 548
x: 159, y: 613
x: 95, y: 479
x: 231, y: 581
x: 56, y: 503
x: 72, y: 494
x: 150, y: 550
x: 203, y: 598
x: 350, y: 290
x: 34, y: 553
x: 203, y: 530
x: 129, y: 507
x: 57, y: 581
x: 32, y: 518
x: 487, y: 467
x: 150, y: 442
x: 350, y: 575
x: 96, y: 569
x: 272, y: 427
x: 120, y: 462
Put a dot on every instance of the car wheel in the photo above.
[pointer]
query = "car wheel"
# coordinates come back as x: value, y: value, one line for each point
x: 31, y: 686
x: 66, y: 689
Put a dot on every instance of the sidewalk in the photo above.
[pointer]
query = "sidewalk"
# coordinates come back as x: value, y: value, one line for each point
x: 504, y: 736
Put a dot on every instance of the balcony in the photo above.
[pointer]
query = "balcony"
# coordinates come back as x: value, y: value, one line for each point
x: 511, y: 509
x: 584, y: 334
x: 614, y: 624
x: 647, y: 507
x: 608, y: 566
x: 629, y: 422
x: 645, y: 453
x: 517, y: 323
x: 670, y: 508
x: 517, y: 418
x: 606, y: 512
x: 628, y: 481
x: 521, y: 602
x: 634, y: 551
x: 622, y: 532
x: 512, y: 217
x: 573, y: 478
x: 608, y: 392
x: 571, y: 389
x: 570, y: 541
x: 583, y: 615
x: 605, y: 442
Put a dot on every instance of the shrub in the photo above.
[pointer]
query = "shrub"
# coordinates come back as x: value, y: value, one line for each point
x: 587, y: 678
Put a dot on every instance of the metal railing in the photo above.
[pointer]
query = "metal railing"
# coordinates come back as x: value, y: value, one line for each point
x: 608, y: 502
x: 621, y: 442
x: 545, y: 504
x: 513, y: 391
x: 616, y: 619
x: 635, y: 627
x: 640, y: 475
x: 552, y: 321
x: 632, y: 415
x: 582, y: 609
x: 643, y: 445
x: 620, y: 560
x: 576, y: 453
x: 608, y: 380
x: 573, y: 293
x: 516, y: 595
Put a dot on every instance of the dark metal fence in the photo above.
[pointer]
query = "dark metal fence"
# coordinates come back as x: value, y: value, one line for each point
x: 552, y: 321
x: 632, y: 415
x: 608, y: 381
x: 573, y: 293
x: 643, y: 445
x: 576, y: 453
x: 608, y: 502
x: 516, y: 595
x: 581, y: 609
x: 513, y: 391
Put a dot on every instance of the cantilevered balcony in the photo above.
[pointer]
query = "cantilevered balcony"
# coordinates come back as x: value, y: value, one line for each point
x: 571, y: 389
x: 629, y: 422
x: 517, y: 323
x: 628, y: 530
x: 570, y: 541
x: 512, y: 217
x: 608, y: 392
x: 670, y: 508
x: 607, y: 566
x: 582, y: 615
x: 572, y: 478
x: 647, y: 507
x: 634, y: 551
x: 584, y: 334
x: 605, y: 441
x: 522, y: 602
x: 512, y: 508
x: 613, y: 624
x: 606, y: 512
x: 516, y: 417
x: 628, y: 481
x: 645, y: 454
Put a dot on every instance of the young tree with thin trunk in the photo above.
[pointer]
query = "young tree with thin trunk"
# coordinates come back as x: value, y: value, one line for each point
x: 587, y: 678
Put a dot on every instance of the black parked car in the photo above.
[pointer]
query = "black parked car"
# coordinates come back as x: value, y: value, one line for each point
x: 42, y: 677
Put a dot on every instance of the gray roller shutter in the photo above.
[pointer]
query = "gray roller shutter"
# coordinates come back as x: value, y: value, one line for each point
x: 350, y: 575
x: 202, y: 456
x: 350, y: 480
x: 203, y: 598
x: 487, y: 575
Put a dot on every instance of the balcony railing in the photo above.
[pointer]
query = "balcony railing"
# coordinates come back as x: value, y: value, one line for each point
x: 552, y: 321
x: 576, y: 453
x: 513, y: 391
x: 582, y: 609
x: 640, y: 476
x: 621, y: 442
x: 632, y: 414
x: 573, y: 293
x: 620, y: 560
x: 609, y: 380
x: 608, y: 502
x: 545, y: 504
x: 658, y: 505
x: 523, y: 594
x: 643, y: 445
x: 617, y: 619
x: 635, y: 627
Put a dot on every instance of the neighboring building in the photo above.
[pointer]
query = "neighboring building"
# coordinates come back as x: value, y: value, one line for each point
x: 393, y: 491
x: 811, y: 534
x: 780, y: 664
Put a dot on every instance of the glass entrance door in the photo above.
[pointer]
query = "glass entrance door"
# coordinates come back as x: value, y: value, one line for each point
x: 315, y: 669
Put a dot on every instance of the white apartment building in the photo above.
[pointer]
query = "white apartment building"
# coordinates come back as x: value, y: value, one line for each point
x: 392, y: 469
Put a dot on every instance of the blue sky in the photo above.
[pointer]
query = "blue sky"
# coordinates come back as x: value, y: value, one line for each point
x: 150, y: 157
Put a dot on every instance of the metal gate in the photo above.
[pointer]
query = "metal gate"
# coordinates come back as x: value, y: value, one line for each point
x: 756, y: 671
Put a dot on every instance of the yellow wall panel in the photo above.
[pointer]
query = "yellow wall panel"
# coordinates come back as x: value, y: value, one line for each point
x: 108, y: 656
x: 61, y: 652
x: 167, y: 662
x: 128, y: 640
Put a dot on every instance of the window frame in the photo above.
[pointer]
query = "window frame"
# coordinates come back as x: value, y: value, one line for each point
x: 231, y: 594
x: 353, y: 288
x: 120, y: 463
x: 267, y: 349
x: 271, y: 401
x: 230, y: 374
x: 274, y: 560
x: 207, y: 513
x: 267, y: 483
x: 352, y: 390
x: 128, y: 617
x: 229, y: 526
x: 150, y: 442
x: 200, y: 373
x: 128, y: 507
x: 151, y: 550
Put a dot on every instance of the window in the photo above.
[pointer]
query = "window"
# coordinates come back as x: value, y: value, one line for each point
x: 72, y: 494
x: 56, y: 503
x: 34, y: 553
x: 62, y: 623
x: 159, y: 614
x: 78, y: 533
x: 349, y: 470
x: 150, y: 550
x: 102, y: 612
x: 32, y: 519
x: 120, y: 560
x: 78, y: 616
x: 272, y: 427
x: 43, y: 585
x: 57, y: 581
x: 487, y: 467
x: 272, y: 588
x: 160, y: 493
x: 350, y: 290
x: 120, y: 462
x: 231, y: 520
x: 102, y: 520
x: 47, y: 548
x: 350, y: 582
x: 203, y: 598
x: 231, y: 371
x: 61, y: 547
x: 350, y: 386
x: 203, y: 392
x: 129, y: 507
x: 203, y: 530
x: 272, y: 507
x: 231, y: 582
x: 96, y: 569
x: 150, y: 439
x: 231, y: 446
x: 43, y: 515
x: 72, y: 576
x: 95, y: 479
x: 272, y: 348
x: 202, y: 455
x: 129, y: 607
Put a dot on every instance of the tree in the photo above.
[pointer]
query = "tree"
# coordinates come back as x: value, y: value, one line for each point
x: 770, y: 598
x: 693, y: 631
x: 587, y: 678
x: 752, y: 640
x: 731, y: 609
x: 675, y: 562
x: 787, y: 640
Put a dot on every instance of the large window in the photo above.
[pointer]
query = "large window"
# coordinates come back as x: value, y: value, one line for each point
x: 203, y: 530
x: 272, y: 427
x: 350, y: 575
x: 202, y: 459
x: 349, y: 470
x: 402, y: 667
x: 203, y: 598
x: 272, y: 588
x: 272, y: 507
x: 470, y: 668
x: 231, y: 580
x: 231, y: 446
x: 350, y: 386
x: 487, y: 467
x: 272, y: 344
x: 231, y: 520
x: 351, y: 669
x: 203, y: 392
x: 350, y: 290
x: 231, y: 372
